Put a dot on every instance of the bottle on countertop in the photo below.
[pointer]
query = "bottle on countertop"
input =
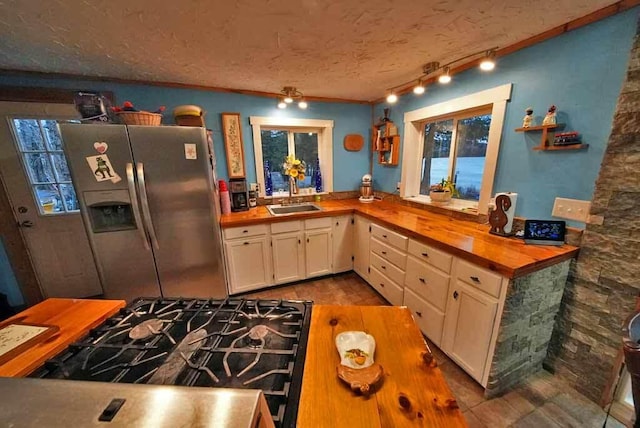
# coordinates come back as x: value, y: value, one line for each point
x: 225, y: 200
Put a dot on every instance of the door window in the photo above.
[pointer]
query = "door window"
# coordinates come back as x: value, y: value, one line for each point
x: 40, y: 147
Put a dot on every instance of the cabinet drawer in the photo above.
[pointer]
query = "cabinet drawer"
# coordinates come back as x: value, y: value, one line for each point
x: 430, y: 255
x: 385, y: 286
x: 389, y: 253
x: 286, y: 226
x: 429, y: 319
x: 482, y: 279
x: 389, y: 237
x: 243, y: 232
x: 429, y: 283
x: 387, y: 268
x: 317, y: 223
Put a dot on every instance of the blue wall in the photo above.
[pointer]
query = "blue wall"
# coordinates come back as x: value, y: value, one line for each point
x: 581, y: 72
x: 348, y: 167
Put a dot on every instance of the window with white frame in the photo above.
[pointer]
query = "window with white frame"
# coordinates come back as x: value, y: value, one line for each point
x: 457, y: 140
x: 309, y: 140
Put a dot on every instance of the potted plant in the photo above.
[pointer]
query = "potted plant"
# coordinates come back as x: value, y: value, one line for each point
x: 443, y: 191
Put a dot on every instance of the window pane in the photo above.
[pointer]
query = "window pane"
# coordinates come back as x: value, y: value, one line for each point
x: 69, y: 196
x: 306, y: 144
x: 54, y: 142
x: 49, y: 198
x: 472, y: 138
x: 274, y: 149
x: 28, y: 133
x: 60, y: 165
x: 39, y: 168
x: 437, y: 147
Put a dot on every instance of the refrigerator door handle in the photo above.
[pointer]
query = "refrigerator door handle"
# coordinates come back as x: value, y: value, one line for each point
x: 146, y: 212
x: 135, y: 207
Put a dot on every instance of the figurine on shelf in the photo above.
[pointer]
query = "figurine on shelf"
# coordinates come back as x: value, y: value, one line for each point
x: 550, y: 118
x: 527, y: 122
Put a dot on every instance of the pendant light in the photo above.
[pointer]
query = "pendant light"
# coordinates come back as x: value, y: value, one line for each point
x: 289, y: 95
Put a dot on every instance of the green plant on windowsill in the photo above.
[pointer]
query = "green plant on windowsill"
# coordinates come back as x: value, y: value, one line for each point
x: 443, y: 191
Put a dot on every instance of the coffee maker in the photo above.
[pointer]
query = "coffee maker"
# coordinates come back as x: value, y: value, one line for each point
x: 238, y: 193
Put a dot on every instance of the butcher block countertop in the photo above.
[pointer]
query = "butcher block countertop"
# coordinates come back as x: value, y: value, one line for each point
x: 412, y: 392
x: 74, y: 318
x: 468, y: 240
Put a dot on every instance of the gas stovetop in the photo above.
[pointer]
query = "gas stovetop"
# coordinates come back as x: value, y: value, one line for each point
x: 234, y: 343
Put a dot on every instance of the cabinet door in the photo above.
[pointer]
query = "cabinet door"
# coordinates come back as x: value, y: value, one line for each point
x: 248, y: 263
x: 361, y: 250
x: 288, y: 257
x: 468, y: 327
x: 318, y: 251
x: 342, y: 229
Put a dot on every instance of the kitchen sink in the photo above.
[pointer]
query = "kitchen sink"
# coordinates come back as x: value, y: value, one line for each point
x: 278, y: 210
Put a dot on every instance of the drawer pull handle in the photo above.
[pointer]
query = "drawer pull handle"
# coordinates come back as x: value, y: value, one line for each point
x: 425, y: 254
x: 455, y: 294
x: 383, y: 267
x: 299, y: 242
x: 422, y: 280
x: 418, y: 313
x: 307, y: 240
x: 475, y: 279
x: 245, y: 243
x: 337, y: 224
x: 382, y: 285
x: 384, y: 236
x: 245, y: 231
x: 384, y: 252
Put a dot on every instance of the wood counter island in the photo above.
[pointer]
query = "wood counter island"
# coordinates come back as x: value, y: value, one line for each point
x: 413, y: 391
x: 74, y: 318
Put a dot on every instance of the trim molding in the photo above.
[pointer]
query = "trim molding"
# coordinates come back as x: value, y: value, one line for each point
x: 43, y: 95
x: 325, y: 145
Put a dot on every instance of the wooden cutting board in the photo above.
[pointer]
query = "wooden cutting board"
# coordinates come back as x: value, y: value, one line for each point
x: 353, y: 142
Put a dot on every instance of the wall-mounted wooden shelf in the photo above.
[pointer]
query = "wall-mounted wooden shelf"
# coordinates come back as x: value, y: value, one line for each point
x: 388, y: 145
x: 547, y: 137
x: 566, y: 147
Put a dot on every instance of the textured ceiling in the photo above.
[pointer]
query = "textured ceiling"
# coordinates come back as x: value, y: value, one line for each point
x: 339, y: 48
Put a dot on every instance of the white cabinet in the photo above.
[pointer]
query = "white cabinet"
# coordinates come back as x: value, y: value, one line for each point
x: 318, y: 250
x: 362, y: 233
x: 248, y: 263
x: 342, y: 230
x: 469, y: 327
x: 288, y: 257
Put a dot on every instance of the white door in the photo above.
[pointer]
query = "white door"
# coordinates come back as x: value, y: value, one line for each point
x: 288, y: 257
x: 43, y: 200
x: 468, y: 328
x: 362, y: 233
x: 342, y: 243
x: 318, y: 251
x: 249, y: 263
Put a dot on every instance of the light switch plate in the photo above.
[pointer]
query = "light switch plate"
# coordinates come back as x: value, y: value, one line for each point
x: 571, y: 209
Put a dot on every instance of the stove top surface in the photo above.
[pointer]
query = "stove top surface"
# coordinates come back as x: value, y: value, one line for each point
x: 236, y: 343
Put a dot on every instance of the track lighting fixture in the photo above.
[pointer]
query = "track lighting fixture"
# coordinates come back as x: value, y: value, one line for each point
x: 302, y: 104
x: 282, y: 104
x: 488, y: 63
x: 444, y: 73
x: 445, y: 77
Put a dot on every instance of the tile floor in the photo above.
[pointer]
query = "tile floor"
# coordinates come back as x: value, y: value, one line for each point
x: 541, y: 401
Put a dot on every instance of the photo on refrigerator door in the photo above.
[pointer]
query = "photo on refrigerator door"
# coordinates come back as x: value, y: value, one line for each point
x: 102, y: 168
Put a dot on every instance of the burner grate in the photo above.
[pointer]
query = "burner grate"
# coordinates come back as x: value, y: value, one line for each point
x: 234, y: 343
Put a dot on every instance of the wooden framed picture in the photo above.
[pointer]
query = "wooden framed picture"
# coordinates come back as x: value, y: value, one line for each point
x: 17, y: 337
x: 232, y: 133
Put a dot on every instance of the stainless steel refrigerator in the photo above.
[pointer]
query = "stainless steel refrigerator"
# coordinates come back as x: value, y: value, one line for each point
x: 150, y: 207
